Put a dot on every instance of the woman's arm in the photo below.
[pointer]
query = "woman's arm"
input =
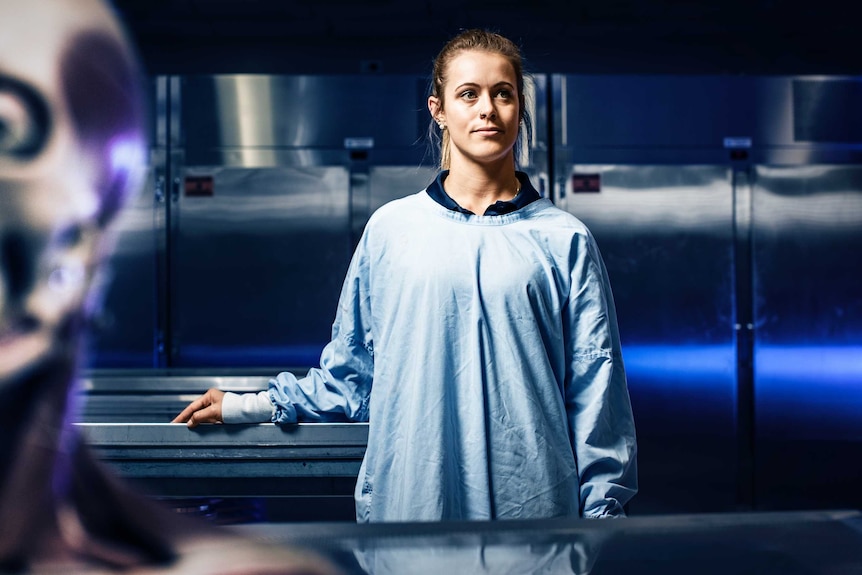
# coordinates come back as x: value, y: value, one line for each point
x: 597, y: 399
x: 338, y: 390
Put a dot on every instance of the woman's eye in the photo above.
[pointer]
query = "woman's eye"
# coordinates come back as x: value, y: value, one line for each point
x: 504, y: 94
x: 468, y: 94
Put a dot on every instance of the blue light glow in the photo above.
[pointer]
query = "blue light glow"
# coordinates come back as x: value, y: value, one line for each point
x: 127, y: 154
x: 809, y: 392
x: 692, y: 366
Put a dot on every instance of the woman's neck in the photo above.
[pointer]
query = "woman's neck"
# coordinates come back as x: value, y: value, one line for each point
x: 477, y: 187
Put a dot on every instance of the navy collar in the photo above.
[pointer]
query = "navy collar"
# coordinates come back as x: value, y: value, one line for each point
x: 525, y: 196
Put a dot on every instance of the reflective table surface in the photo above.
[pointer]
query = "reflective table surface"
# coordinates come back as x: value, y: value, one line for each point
x: 786, y: 543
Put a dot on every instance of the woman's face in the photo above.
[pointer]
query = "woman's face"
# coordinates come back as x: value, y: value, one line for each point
x: 480, y: 107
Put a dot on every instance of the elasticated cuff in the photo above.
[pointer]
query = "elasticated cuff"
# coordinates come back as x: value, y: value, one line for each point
x: 247, y: 408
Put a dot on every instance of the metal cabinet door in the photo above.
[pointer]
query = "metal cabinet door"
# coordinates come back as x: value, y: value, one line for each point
x: 808, y: 335
x: 258, y: 265
x: 666, y: 235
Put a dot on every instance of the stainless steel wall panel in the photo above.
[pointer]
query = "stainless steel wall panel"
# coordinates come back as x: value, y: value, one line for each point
x: 125, y: 329
x: 808, y: 155
x: 665, y: 233
x: 679, y: 112
x: 258, y: 265
x: 827, y: 111
x: 247, y: 111
x: 391, y: 182
x: 808, y: 335
x: 788, y: 160
x: 271, y: 157
x: 288, y: 158
x: 806, y: 112
x: 124, y: 333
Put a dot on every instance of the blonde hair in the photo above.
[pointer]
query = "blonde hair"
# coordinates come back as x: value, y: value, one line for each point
x: 482, y: 40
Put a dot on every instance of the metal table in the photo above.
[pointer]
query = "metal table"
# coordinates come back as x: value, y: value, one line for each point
x: 265, y: 450
x: 300, y: 472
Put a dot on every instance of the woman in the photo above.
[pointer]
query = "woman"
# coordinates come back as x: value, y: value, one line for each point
x: 483, y: 317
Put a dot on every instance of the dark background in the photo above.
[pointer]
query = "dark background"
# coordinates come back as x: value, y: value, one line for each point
x: 394, y: 36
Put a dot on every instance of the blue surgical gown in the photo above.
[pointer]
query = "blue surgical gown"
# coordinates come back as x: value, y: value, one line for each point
x: 484, y: 353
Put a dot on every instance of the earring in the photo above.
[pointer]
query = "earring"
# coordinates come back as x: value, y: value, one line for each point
x: 441, y: 125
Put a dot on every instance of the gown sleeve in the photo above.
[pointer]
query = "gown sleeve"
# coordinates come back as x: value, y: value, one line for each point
x: 340, y: 389
x: 597, y: 400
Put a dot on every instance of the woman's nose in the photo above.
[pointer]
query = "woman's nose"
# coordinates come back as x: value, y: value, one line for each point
x: 487, y: 109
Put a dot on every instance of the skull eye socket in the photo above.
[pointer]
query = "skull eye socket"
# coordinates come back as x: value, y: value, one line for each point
x: 23, y: 120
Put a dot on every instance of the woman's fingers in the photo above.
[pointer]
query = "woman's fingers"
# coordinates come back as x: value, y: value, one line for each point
x: 205, y: 409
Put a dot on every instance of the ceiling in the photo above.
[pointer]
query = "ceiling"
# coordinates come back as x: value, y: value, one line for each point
x: 607, y: 36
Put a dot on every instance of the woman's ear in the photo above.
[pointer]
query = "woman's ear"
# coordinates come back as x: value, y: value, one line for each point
x: 436, y: 109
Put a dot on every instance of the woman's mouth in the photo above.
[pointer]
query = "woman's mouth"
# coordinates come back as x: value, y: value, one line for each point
x: 488, y: 131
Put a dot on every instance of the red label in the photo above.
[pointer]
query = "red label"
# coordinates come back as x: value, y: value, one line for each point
x: 198, y: 186
x: 590, y: 183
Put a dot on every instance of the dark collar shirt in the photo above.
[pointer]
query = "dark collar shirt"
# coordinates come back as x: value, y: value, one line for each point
x: 525, y: 196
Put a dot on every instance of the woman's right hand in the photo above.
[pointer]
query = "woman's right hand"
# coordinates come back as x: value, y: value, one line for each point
x: 205, y: 409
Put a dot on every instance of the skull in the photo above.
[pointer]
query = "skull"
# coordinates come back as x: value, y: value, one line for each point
x: 72, y: 147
